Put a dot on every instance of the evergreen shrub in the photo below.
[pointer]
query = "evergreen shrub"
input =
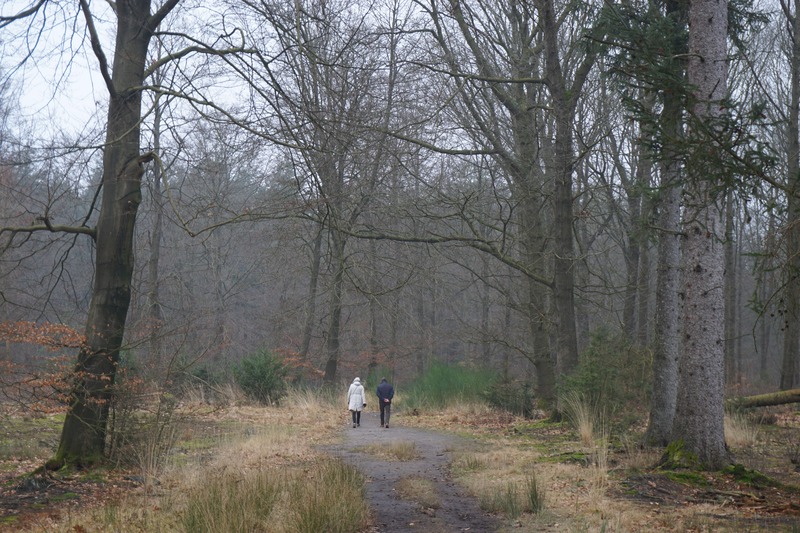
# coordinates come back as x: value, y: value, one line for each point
x: 612, y: 374
x: 445, y: 385
x: 512, y: 396
x: 262, y: 377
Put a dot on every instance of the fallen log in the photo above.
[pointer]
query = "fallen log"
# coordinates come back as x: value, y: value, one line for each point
x: 763, y: 400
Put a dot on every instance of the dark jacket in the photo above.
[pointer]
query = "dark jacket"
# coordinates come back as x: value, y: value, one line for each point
x: 385, y: 392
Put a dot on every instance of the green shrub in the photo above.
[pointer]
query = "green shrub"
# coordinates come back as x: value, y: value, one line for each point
x: 262, y: 377
x: 514, y: 397
x: 611, y: 374
x: 443, y: 385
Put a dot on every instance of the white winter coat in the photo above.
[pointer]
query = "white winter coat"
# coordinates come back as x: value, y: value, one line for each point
x: 355, y: 396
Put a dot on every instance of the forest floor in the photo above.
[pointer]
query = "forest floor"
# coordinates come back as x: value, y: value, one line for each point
x: 459, y: 461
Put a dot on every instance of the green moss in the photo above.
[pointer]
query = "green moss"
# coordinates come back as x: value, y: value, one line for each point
x: 543, y: 423
x: 10, y: 519
x: 66, y: 462
x: 676, y: 457
x: 750, y: 477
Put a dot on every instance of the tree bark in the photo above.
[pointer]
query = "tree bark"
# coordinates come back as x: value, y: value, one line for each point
x: 313, y: 286
x: 83, y: 436
x: 332, y: 342
x: 564, y: 99
x: 155, y: 315
x: 666, y: 341
x: 791, y: 336
x: 643, y: 324
x: 698, y: 425
x: 730, y: 293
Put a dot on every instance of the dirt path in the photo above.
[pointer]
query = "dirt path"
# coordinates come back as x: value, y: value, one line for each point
x: 458, y: 511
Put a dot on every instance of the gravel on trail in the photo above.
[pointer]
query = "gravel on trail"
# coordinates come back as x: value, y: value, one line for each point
x: 457, y: 512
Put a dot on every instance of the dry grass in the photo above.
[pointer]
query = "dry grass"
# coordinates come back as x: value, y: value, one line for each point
x: 584, y: 416
x: 419, y: 490
x: 574, y: 497
x: 393, y: 451
x: 579, y: 496
x: 469, y: 462
x: 233, y: 467
x: 740, y: 431
x: 270, y: 451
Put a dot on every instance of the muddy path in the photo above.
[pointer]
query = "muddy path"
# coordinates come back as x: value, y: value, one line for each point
x: 457, y: 511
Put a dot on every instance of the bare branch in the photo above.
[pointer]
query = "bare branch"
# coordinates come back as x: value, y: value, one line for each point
x: 49, y: 227
x: 155, y: 20
x: 5, y: 21
x: 98, y: 50
x: 200, y: 48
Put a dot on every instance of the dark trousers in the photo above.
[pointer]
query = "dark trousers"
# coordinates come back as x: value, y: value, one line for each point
x: 386, y: 412
x: 356, y: 417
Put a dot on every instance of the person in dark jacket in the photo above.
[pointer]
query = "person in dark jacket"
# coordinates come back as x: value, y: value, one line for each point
x: 385, y: 394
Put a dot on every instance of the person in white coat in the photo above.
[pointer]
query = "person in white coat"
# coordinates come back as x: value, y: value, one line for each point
x: 356, y: 401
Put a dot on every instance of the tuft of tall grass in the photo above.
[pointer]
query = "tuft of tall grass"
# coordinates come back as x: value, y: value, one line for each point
x: 504, y: 500
x: 599, y: 480
x: 583, y: 414
x: 512, y: 499
x: 534, y: 494
x: 469, y: 463
x: 329, y: 498
x: 444, y: 385
x: 232, y: 501
x: 312, y: 400
x: 740, y: 431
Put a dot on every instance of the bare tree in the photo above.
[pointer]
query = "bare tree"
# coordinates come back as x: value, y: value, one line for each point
x: 83, y: 437
x: 519, y: 74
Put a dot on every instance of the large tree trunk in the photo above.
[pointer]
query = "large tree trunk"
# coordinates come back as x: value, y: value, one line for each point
x: 632, y: 263
x: 791, y: 345
x: 313, y: 285
x: 564, y: 99
x: 730, y: 293
x: 534, y: 245
x: 83, y: 437
x: 332, y: 342
x: 698, y: 425
x: 666, y: 341
x: 155, y: 315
